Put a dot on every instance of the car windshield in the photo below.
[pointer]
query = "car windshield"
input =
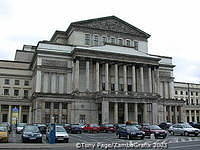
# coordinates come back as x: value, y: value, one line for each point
x: 60, y: 129
x: 187, y: 126
x: 109, y: 125
x: 94, y: 125
x: 132, y: 128
x: 75, y: 125
x: 21, y: 124
x: 3, y: 129
x: 155, y: 127
x: 31, y: 129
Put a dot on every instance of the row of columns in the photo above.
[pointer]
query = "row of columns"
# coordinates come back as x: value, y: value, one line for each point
x: 174, y: 114
x: 153, y: 81
x: 52, y: 112
x: 194, y: 115
x: 9, y: 118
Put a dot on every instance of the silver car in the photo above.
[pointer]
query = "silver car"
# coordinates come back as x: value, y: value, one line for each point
x: 183, y: 129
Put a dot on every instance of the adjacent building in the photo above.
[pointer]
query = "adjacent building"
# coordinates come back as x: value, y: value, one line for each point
x: 97, y: 71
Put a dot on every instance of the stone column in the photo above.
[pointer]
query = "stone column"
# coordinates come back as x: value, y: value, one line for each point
x: 30, y: 115
x: 190, y: 116
x: 158, y: 80
x: 195, y: 116
x: 150, y: 79
x: 145, y: 113
x: 77, y: 75
x: 87, y: 75
x: 125, y: 112
x: 60, y: 112
x: 20, y: 114
x: 153, y: 80
x: 136, y: 113
x: 154, y: 111
x: 125, y: 78
x: 142, y: 78
x: 171, y: 88
x: 170, y: 114
x: 116, y: 79
x: 164, y: 113
x: 116, y: 112
x: 106, y: 77
x: 97, y: 76
x: 166, y: 90
x: 175, y: 114
x: 183, y: 116
x: 133, y: 79
x: 51, y: 113
x: 105, y: 112
x: 38, y: 81
x: 9, y: 113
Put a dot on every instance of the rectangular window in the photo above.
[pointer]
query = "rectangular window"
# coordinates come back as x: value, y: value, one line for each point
x: 64, y: 118
x: 176, y: 92
x: 121, y: 87
x: 104, y: 40
x: 129, y: 87
x: 128, y: 43
x: 4, y: 117
x: 197, y: 102
x: 192, y: 101
x: 112, y: 40
x: 7, y: 81
x: 26, y: 83
x: 120, y: 42
x: 181, y: 92
x: 136, y: 45
x: 56, y: 105
x: 56, y: 118
x: 47, y: 105
x: 16, y: 82
x: 186, y: 93
x: 96, y: 40
x: 6, y: 91
x: 82, y: 119
x: 25, y: 93
x: 112, y: 87
x: 103, y: 87
x: 187, y: 102
x: 64, y: 105
x: 16, y: 92
x: 87, y: 39
x: 47, y: 118
x: 196, y: 93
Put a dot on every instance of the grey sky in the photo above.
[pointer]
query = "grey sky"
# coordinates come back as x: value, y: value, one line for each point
x: 173, y: 25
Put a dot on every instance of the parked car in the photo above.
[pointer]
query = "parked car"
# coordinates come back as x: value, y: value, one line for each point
x: 130, y: 132
x: 31, y: 133
x: 195, y: 124
x: 7, y: 125
x: 67, y: 127
x: 156, y: 130
x: 165, y: 125
x: 107, y: 128
x: 183, y: 129
x: 20, y: 127
x: 61, y: 134
x: 42, y: 128
x: 117, y: 126
x: 3, y: 134
x: 75, y: 128
x: 91, y: 128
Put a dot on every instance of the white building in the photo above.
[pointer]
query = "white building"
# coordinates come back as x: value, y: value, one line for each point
x: 97, y: 71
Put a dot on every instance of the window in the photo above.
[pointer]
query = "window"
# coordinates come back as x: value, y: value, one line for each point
x: 187, y: 102
x: 82, y: 119
x: 4, y: 117
x: 25, y: 93
x: 6, y: 91
x: 56, y: 105
x: 112, y: 40
x: 47, y: 118
x: 192, y: 101
x: 56, y: 120
x: 196, y: 93
x: 64, y: 105
x: 128, y: 43
x: 121, y: 87
x: 197, y: 102
x: 47, y: 105
x: 181, y: 92
x: 7, y: 81
x: 16, y: 82
x: 64, y: 118
x: 16, y: 92
x: 104, y: 39
x: 129, y: 87
x: 112, y: 87
x: 87, y: 39
x: 136, y: 45
x: 176, y: 92
x: 103, y: 87
x: 96, y: 40
x: 26, y: 83
x: 186, y: 93
x: 191, y: 93
x: 120, y: 42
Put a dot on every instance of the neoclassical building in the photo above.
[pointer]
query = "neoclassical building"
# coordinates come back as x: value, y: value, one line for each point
x: 97, y: 71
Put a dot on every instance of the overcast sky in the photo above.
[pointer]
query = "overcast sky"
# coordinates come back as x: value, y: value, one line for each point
x: 174, y: 26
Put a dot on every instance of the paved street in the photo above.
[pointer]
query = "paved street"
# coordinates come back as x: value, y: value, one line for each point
x: 173, y: 142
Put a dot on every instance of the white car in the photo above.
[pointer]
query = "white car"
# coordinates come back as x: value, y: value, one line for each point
x: 20, y: 127
x: 61, y: 134
x: 183, y: 129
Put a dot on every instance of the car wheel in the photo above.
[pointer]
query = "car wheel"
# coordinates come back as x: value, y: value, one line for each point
x: 119, y: 136
x: 67, y: 141
x: 40, y: 141
x: 186, y: 133
x: 196, y: 134
x: 142, y: 138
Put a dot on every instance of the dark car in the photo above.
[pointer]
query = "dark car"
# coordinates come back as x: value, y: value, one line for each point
x: 107, y: 128
x: 118, y: 126
x: 156, y: 130
x: 130, y: 132
x: 31, y: 133
x: 165, y: 125
x: 42, y: 128
x: 67, y: 127
x: 75, y: 128
x: 195, y: 124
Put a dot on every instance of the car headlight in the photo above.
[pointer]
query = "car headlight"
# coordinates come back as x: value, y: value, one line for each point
x: 156, y: 132
x: 66, y: 136
x: 39, y: 135
x: 25, y: 135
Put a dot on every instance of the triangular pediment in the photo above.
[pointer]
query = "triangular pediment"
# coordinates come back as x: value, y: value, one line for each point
x: 111, y: 23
